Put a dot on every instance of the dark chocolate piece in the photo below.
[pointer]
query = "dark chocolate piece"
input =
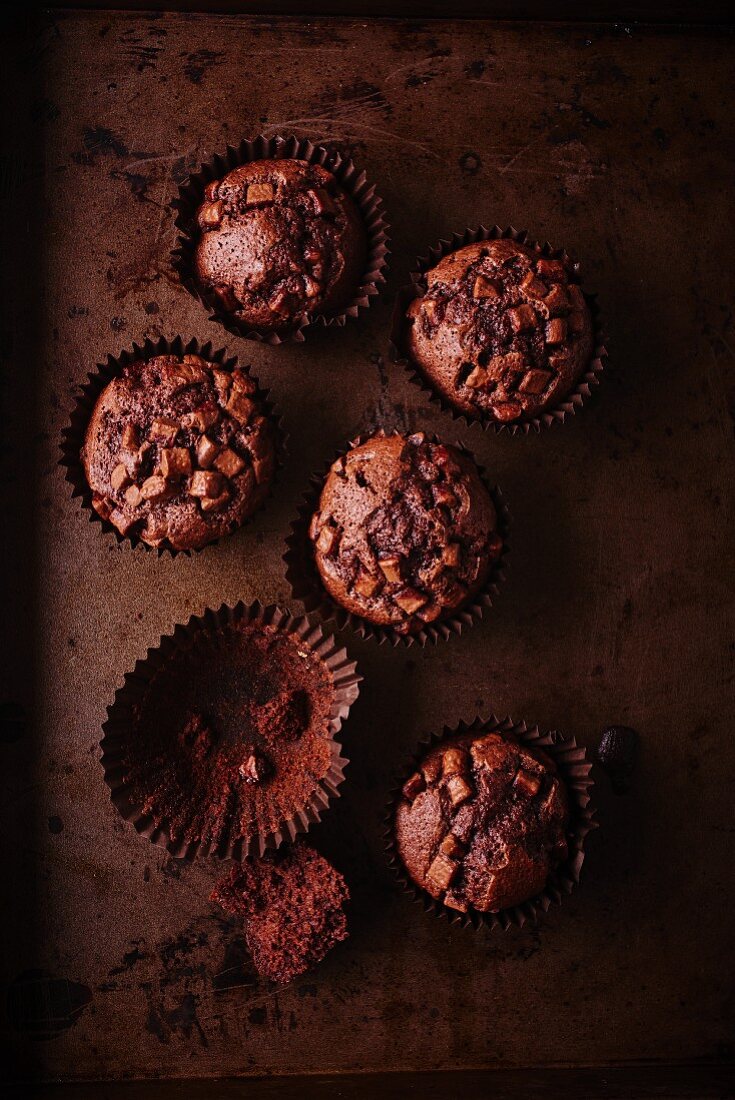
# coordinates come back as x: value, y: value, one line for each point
x: 618, y: 753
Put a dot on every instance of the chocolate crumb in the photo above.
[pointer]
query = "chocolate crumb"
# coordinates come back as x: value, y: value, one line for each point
x: 284, y: 717
x: 197, y: 762
x: 292, y: 903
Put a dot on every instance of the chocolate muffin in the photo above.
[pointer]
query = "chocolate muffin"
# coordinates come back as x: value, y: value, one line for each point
x: 178, y: 451
x: 280, y: 243
x: 502, y: 331
x: 231, y: 737
x: 405, y: 532
x: 483, y: 823
x: 292, y: 903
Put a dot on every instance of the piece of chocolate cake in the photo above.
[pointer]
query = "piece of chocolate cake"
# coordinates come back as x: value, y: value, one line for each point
x: 292, y: 903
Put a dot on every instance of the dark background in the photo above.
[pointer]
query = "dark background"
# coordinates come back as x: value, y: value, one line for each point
x: 595, y: 11
x: 615, y: 141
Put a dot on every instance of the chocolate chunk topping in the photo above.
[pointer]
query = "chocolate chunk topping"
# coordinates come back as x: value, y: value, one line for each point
x: 206, y: 483
x: 414, y: 786
x: 164, y: 430
x: 255, y: 768
x: 483, y: 823
x: 176, y: 451
x: 119, y: 477
x: 280, y: 241
x: 175, y: 463
x: 405, y: 531
x: 500, y: 330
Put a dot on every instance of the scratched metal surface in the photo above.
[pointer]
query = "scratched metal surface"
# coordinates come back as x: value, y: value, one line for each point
x: 618, y: 604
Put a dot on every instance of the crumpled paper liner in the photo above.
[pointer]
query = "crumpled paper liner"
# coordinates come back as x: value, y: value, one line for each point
x: 352, y: 181
x: 120, y: 726
x: 574, y: 768
x: 558, y: 413
x: 303, y: 576
x: 86, y: 398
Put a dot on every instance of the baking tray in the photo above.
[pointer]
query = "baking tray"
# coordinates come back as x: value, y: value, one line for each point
x: 615, y: 141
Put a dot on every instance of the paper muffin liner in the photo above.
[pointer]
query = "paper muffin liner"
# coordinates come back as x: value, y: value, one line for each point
x: 303, y: 575
x: 119, y: 727
x: 353, y: 182
x: 570, y: 403
x: 574, y: 768
x: 86, y: 398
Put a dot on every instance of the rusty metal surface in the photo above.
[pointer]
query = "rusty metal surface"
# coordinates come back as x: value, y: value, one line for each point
x: 618, y: 606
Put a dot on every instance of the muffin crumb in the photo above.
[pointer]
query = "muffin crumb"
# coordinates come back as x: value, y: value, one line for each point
x: 292, y: 903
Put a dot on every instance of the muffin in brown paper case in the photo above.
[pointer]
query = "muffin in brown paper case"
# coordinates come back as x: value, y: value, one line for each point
x: 306, y: 583
x: 223, y: 739
x: 352, y: 182
x: 569, y: 401
x: 73, y: 437
x: 572, y: 767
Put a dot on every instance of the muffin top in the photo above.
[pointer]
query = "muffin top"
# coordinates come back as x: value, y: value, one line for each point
x: 279, y: 243
x: 502, y: 332
x: 231, y: 736
x: 405, y: 531
x: 292, y: 902
x: 482, y: 823
x: 178, y: 452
